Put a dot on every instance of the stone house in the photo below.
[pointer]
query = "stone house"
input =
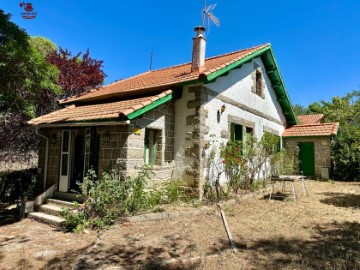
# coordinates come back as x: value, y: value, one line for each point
x: 311, y: 140
x: 165, y: 117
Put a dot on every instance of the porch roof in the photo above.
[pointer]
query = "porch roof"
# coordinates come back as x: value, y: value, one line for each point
x: 113, y: 111
x: 311, y: 130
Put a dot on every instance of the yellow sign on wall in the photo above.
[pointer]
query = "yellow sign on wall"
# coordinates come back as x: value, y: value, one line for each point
x: 137, y: 131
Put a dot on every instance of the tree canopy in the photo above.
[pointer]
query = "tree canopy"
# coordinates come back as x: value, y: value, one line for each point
x: 76, y: 74
x: 346, y: 145
x: 33, y: 74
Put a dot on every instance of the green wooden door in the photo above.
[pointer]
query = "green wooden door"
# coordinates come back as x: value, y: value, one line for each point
x: 307, y: 158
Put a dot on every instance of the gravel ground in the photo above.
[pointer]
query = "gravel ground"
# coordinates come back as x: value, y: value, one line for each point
x: 321, y: 231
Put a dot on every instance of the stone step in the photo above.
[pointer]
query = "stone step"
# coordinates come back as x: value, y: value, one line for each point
x: 48, y: 219
x: 70, y: 197
x: 60, y: 203
x: 51, y: 209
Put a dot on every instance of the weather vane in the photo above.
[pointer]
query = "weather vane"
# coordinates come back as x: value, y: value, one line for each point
x: 208, y: 16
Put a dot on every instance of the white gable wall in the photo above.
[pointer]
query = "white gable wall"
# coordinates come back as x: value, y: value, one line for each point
x: 237, y: 87
x: 197, y: 122
x: 234, y: 90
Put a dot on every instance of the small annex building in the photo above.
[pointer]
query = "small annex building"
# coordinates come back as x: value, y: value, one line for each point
x: 165, y: 118
x: 311, y: 139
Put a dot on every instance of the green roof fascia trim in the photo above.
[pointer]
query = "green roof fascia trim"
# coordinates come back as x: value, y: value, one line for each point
x: 149, y: 107
x: 235, y: 64
x: 270, y: 63
x: 275, y: 77
x: 186, y: 83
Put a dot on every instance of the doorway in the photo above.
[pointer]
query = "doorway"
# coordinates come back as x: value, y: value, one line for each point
x: 307, y: 158
x: 77, y: 176
x: 79, y: 154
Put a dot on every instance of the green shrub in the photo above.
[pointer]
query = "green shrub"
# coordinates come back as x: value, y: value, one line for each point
x: 19, y: 185
x: 112, y: 197
x: 108, y: 199
x: 75, y: 220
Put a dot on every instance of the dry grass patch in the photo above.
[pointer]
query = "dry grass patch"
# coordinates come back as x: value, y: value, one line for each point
x: 321, y: 231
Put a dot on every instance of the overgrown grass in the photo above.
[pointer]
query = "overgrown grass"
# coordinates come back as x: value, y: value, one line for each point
x: 111, y: 198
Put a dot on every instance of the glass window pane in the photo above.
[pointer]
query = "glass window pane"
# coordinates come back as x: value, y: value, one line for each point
x: 64, y: 164
x: 65, y: 146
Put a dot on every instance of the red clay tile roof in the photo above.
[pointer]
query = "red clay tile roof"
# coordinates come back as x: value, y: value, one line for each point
x: 325, y: 129
x: 166, y: 77
x: 310, y: 119
x: 105, y: 111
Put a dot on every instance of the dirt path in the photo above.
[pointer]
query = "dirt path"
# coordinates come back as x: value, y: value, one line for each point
x: 321, y: 231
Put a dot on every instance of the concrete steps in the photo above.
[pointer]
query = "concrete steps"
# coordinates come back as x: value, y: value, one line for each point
x: 48, y: 219
x: 50, y: 212
x: 51, y: 209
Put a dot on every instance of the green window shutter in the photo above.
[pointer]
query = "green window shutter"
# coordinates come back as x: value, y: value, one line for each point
x: 232, y: 132
x: 146, y: 147
x: 152, y: 161
x: 249, y: 132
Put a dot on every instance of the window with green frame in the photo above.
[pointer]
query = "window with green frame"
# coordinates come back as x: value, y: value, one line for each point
x: 241, y: 133
x: 236, y: 132
x: 150, y: 144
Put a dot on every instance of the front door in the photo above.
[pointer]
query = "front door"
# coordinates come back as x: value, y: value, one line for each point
x: 79, y: 154
x: 65, y: 161
x: 307, y: 158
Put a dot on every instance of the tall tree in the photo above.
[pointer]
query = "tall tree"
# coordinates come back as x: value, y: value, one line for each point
x: 24, y: 73
x: 76, y: 75
x: 48, y: 97
x: 43, y: 45
x: 346, y: 145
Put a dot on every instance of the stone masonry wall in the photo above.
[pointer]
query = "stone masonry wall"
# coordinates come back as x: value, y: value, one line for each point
x: 196, y: 136
x: 125, y: 151
x: 114, y: 151
x: 161, y: 119
x: 321, y: 148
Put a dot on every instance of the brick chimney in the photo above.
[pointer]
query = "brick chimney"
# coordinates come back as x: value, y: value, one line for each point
x: 198, y: 52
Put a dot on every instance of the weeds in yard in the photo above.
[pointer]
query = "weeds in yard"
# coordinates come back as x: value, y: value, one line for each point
x: 112, y: 197
x: 108, y: 199
x: 243, y: 165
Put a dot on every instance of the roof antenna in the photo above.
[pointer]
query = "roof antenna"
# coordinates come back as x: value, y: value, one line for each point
x: 151, y: 58
x: 208, y: 16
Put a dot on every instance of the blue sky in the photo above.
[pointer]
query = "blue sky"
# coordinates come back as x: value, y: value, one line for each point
x: 316, y: 43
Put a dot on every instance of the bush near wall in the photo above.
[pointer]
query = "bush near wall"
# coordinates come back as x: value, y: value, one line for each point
x: 15, y: 185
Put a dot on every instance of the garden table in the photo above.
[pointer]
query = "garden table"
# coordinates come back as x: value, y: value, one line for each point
x: 287, y: 179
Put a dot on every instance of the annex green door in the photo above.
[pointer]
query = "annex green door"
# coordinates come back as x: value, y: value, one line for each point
x: 307, y: 158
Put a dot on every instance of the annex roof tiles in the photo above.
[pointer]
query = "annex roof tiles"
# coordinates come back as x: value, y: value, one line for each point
x: 310, y: 130
x: 310, y: 119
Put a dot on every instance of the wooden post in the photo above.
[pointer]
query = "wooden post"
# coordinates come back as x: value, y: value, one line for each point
x: 231, y: 240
